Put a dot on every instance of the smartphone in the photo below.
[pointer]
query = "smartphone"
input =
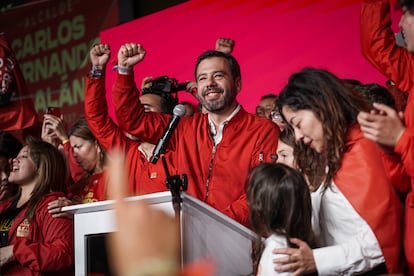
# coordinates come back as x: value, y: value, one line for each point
x: 54, y: 111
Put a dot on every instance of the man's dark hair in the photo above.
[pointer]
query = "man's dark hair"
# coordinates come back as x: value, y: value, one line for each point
x: 167, y: 101
x: 373, y: 92
x: 408, y: 4
x: 233, y: 64
x: 269, y: 96
x: 352, y: 82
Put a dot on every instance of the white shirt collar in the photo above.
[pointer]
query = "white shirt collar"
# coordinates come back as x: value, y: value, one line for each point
x: 218, y: 134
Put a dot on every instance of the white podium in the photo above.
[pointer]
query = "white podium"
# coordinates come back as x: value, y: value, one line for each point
x: 205, y: 233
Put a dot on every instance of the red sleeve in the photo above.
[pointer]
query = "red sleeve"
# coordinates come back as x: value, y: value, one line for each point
x: 130, y: 113
x: 239, y: 210
x: 76, y: 171
x: 100, y: 123
x: 55, y: 249
x: 405, y: 147
x: 363, y: 181
x: 379, y: 46
x: 395, y: 170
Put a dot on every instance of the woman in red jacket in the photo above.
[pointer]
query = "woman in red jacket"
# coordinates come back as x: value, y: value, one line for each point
x: 32, y: 241
x: 90, y: 155
x: 86, y: 160
x: 359, y: 212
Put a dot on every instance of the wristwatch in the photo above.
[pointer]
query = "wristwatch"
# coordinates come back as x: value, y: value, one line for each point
x: 96, y: 72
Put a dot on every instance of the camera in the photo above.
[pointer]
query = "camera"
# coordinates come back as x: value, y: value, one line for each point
x: 165, y: 85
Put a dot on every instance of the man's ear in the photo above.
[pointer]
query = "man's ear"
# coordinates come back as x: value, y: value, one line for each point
x: 238, y: 84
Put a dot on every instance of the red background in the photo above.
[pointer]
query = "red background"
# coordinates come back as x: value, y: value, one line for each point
x: 273, y: 40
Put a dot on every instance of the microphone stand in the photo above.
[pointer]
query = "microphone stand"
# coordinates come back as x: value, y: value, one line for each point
x: 175, y: 184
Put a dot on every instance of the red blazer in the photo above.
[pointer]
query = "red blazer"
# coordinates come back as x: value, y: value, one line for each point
x: 95, y: 189
x: 46, y: 248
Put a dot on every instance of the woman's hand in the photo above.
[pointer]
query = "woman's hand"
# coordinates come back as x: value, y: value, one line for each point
x: 298, y: 260
x: 6, y: 255
x: 55, y: 207
x: 53, y: 130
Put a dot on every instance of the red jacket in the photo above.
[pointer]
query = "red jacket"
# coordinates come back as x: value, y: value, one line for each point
x: 217, y: 175
x: 76, y: 171
x: 397, y: 64
x: 363, y: 181
x: 144, y: 177
x: 47, y: 247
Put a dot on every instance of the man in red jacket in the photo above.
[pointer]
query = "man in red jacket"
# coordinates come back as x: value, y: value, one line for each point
x: 385, y: 126
x: 216, y: 150
x: 144, y: 177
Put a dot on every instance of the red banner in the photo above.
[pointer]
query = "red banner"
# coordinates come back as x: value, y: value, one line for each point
x: 17, y: 111
x: 51, y: 40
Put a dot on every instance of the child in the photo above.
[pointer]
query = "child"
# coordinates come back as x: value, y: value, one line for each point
x: 280, y: 209
x: 285, y: 148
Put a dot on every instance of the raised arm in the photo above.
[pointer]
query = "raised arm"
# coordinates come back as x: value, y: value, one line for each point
x: 96, y: 108
x: 379, y: 46
x: 129, y: 111
x: 225, y: 45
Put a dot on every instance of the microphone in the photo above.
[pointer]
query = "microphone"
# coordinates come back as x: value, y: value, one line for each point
x: 179, y: 111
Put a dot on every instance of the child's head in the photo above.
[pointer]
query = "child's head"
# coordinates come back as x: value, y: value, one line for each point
x: 285, y: 148
x: 279, y: 201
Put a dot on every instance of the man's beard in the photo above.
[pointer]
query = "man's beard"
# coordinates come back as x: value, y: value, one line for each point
x: 220, y: 104
x: 215, y: 106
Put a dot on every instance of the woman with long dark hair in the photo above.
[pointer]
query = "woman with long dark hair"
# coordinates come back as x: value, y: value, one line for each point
x: 360, y: 214
x: 33, y: 242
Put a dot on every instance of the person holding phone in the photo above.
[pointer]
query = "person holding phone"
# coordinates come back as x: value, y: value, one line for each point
x: 85, y: 157
x: 53, y: 127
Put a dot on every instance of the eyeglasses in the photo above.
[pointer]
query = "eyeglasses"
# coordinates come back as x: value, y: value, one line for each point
x: 275, y: 115
x: 261, y: 111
